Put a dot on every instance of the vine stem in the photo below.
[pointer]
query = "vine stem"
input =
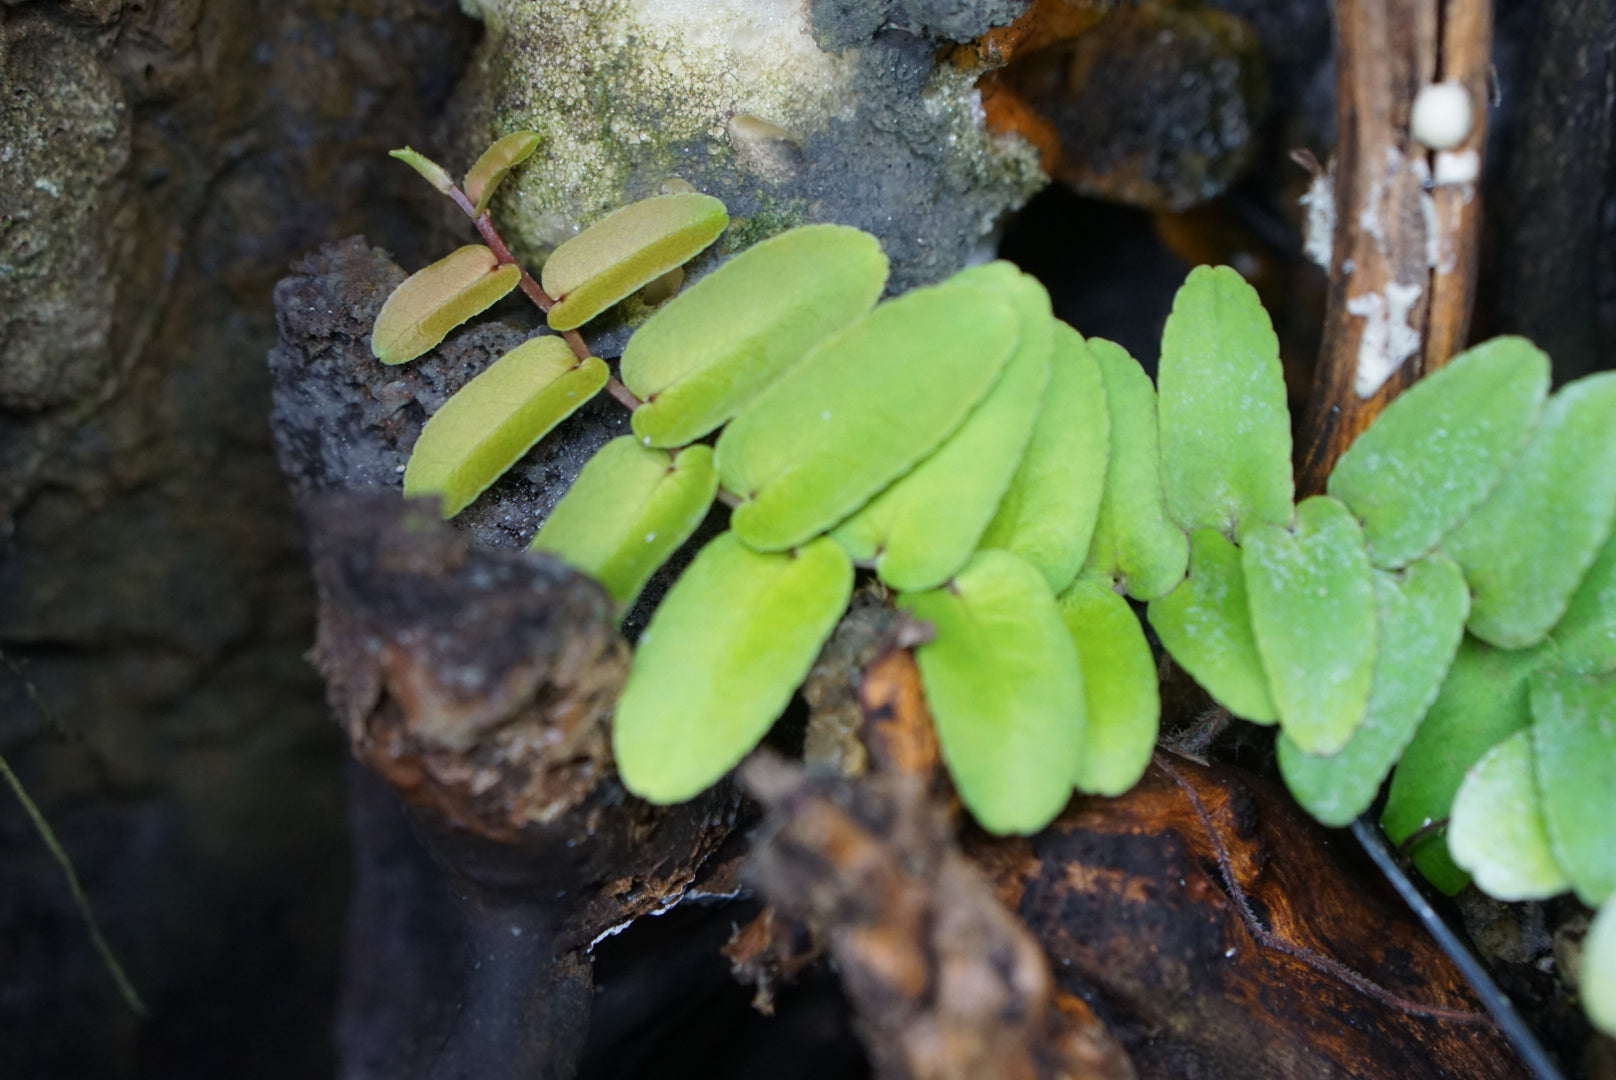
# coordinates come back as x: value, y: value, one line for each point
x: 534, y: 291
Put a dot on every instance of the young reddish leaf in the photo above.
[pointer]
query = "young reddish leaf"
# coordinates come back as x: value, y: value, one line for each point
x: 434, y: 173
x: 484, y: 178
x: 496, y: 417
x: 434, y: 301
x: 626, y: 250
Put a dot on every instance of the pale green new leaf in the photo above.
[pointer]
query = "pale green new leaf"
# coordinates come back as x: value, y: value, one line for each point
x: 434, y: 300
x: 715, y: 346
x: 1311, y: 594
x: 625, y: 250
x: 1420, y: 617
x: 1482, y: 700
x: 490, y: 169
x: 1497, y: 834
x: 860, y: 409
x: 1123, y: 701
x: 1574, y: 739
x: 1206, y: 625
x: 922, y: 527
x: 1225, y: 431
x: 1439, y: 448
x: 629, y: 509
x: 1596, y: 977
x: 496, y: 418
x: 720, y: 659
x: 430, y: 170
x: 1135, y: 542
x: 1048, y: 514
x: 1527, y: 547
x: 1003, y: 684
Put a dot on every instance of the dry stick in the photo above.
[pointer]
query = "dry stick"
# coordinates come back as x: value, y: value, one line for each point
x: 1334, y: 969
x: 1403, y: 263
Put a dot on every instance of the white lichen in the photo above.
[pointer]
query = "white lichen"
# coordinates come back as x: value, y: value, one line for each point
x: 1388, y: 339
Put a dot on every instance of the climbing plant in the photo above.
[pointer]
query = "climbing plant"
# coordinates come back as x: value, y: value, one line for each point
x: 1444, y: 614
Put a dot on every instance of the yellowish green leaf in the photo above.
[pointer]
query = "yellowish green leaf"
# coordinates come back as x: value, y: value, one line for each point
x: 485, y: 176
x: 1574, y: 741
x: 625, y: 250
x: 496, y: 417
x: 434, y: 173
x: 1123, y: 702
x: 435, y: 300
x: 1496, y: 834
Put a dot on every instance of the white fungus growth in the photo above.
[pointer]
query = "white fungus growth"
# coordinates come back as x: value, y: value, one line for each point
x: 1388, y: 339
x: 1442, y: 115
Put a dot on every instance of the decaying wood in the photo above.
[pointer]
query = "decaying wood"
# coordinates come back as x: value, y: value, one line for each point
x: 948, y: 985
x: 1219, y: 935
x: 1406, y: 219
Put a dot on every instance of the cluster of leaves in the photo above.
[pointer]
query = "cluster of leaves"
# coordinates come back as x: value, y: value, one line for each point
x: 1450, y: 603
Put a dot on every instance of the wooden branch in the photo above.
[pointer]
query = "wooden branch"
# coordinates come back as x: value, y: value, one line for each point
x: 1403, y: 261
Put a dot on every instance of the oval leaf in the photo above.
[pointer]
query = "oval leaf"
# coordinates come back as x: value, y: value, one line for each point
x: 1225, y: 431
x: 1482, y: 701
x: 496, y: 418
x: 1123, y: 702
x: 710, y: 350
x: 1586, y: 633
x: 1312, y: 599
x: 1005, y: 690
x: 1048, y: 514
x: 1419, y: 622
x: 1496, y: 834
x: 720, y: 659
x: 1136, y: 543
x: 1574, y: 738
x: 1206, y: 626
x: 1430, y: 459
x: 435, y: 300
x: 1596, y: 977
x: 861, y: 409
x: 485, y: 176
x: 923, y: 527
x: 1529, y: 544
x: 625, y: 250
x: 629, y: 509
x: 434, y: 173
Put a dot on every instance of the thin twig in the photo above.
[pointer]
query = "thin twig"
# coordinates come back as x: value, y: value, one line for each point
x: 1334, y: 969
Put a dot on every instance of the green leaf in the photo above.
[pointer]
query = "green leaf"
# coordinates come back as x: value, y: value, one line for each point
x: 1225, y: 431
x: 434, y: 173
x: 1574, y: 737
x: 629, y: 509
x: 1529, y: 544
x: 710, y: 350
x: 1005, y: 690
x: 1312, y: 598
x: 1430, y: 459
x: 1419, y: 622
x: 1596, y: 975
x: 924, y: 525
x: 1586, y: 633
x: 720, y: 660
x: 625, y: 250
x: 1121, y: 697
x: 1047, y: 515
x: 1206, y: 625
x: 485, y: 176
x: 1482, y: 701
x: 1497, y: 833
x: 1135, y: 543
x: 495, y: 418
x: 436, y: 299
x: 861, y: 409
